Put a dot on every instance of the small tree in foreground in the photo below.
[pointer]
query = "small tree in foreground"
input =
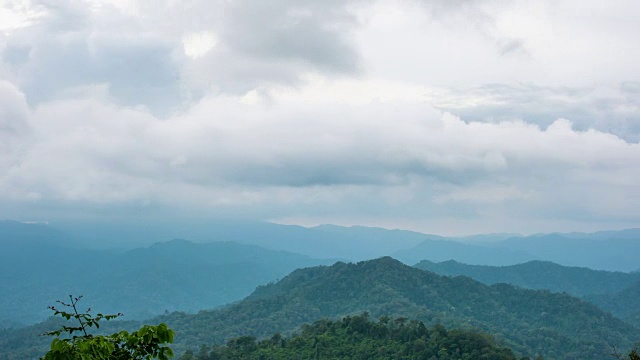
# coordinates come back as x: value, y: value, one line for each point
x: 150, y: 342
x: 633, y: 355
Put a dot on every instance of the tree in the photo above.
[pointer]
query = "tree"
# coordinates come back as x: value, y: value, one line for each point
x: 633, y: 355
x: 149, y: 342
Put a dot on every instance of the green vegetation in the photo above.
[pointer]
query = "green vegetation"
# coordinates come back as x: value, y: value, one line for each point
x: 359, y: 338
x: 530, y: 322
x: 615, y: 292
x: 527, y: 321
x: 625, y: 304
x: 149, y: 342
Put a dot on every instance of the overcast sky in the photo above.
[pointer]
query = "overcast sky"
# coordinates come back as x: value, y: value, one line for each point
x: 449, y: 117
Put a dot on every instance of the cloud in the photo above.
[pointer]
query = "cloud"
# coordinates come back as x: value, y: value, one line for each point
x: 14, y: 125
x: 141, y: 54
x: 307, y: 31
x: 18, y: 14
x: 64, y: 49
x: 198, y: 44
x: 480, y: 114
x: 613, y: 109
x: 292, y: 153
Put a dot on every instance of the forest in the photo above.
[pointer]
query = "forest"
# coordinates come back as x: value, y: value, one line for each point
x: 358, y: 337
x: 211, y: 293
x: 530, y: 322
x: 319, y: 179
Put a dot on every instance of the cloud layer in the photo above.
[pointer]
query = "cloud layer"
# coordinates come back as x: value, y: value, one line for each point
x: 442, y: 117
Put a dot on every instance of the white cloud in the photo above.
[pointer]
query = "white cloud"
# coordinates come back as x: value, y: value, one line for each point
x: 382, y: 112
x: 14, y: 126
x: 18, y: 14
x: 299, y: 154
x: 198, y: 44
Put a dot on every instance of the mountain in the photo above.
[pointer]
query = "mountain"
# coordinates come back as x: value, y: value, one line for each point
x: 577, y: 281
x: 614, y: 251
x: 442, y: 250
x: 176, y: 275
x: 325, y: 241
x: 606, y: 250
x: 625, y: 234
x: 17, y: 236
x: 483, y: 239
x: 624, y: 304
x: 358, y: 337
x: 528, y: 321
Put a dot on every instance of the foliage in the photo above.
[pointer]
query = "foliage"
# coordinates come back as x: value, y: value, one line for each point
x: 149, y: 342
x: 529, y: 322
x: 623, y: 304
x: 615, y: 292
x: 633, y: 355
x: 556, y: 326
x: 356, y: 337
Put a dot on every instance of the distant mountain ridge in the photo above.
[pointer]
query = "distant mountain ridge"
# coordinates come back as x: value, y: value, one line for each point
x: 441, y: 250
x: 43, y: 261
x: 539, y: 275
x: 604, y: 250
x: 607, y: 250
x: 624, y: 304
x: 530, y: 322
x: 36, y: 270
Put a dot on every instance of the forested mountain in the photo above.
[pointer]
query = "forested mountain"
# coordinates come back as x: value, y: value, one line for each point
x: 546, y: 275
x: 170, y: 276
x: 531, y: 322
x: 624, y: 304
x: 528, y: 321
x: 358, y: 337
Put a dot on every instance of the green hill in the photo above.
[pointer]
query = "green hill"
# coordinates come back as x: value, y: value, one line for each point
x: 616, y: 292
x: 359, y: 338
x: 624, y: 304
x: 528, y: 321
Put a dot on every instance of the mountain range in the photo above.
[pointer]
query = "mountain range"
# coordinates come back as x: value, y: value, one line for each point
x: 542, y: 275
x: 40, y: 263
x: 38, y: 266
x: 531, y: 322
x: 616, y: 292
x: 604, y: 250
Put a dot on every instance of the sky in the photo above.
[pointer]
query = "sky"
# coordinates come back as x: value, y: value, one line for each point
x: 443, y: 116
